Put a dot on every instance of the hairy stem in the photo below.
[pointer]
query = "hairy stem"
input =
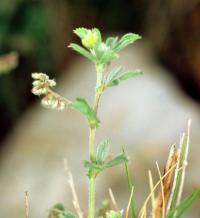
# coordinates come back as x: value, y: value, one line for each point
x: 96, y: 103
x: 92, y: 143
x: 91, y: 210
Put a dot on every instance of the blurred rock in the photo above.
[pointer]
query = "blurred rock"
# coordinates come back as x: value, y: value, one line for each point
x: 147, y: 114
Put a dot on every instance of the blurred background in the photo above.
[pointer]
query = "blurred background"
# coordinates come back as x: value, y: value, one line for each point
x: 40, y: 30
x: 34, y: 35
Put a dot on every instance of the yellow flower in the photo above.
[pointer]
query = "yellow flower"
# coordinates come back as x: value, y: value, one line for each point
x: 90, y: 39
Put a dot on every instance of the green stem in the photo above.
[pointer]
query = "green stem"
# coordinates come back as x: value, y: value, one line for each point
x: 91, y: 210
x: 96, y: 102
x: 92, y: 143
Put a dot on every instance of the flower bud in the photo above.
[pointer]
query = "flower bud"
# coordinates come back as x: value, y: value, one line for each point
x: 40, y: 76
x: 36, y: 82
x: 51, y: 82
x: 90, y: 39
x: 61, y: 106
x: 53, y: 102
x: 39, y: 91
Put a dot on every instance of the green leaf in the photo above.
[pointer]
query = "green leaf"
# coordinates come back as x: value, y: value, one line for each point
x: 98, y: 34
x: 103, y: 54
x: 180, y: 209
x: 121, y: 158
x: 112, y: 79
x: 88, y: 35
x: 59, y: 206
x: 111, y: 41
x: 113, y: 214
x: 58, y: 211
x: 82, y: 51
x: 83, y: 107
x: 126, y: 40
x: 93, y: 166
x: 104, y: 207
x: 130, y: 74
x: 119, y: 74
x: 67, y: 214
x: 107, y: 56
x: 102, y: 151
x: 80, y: 32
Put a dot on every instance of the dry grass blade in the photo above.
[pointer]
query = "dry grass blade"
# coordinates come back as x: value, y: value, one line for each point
x: 26, y: 204
x: 160, y: 201
x: 141, y: 213
x: 162, y: 198
x: 73, y: 190
x: 113, y: 199
x: 151, y: 185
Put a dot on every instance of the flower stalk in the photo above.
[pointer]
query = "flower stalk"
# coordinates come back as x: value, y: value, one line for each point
x: 98, y: 93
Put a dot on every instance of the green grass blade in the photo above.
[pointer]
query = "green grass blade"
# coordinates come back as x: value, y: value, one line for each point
x: 130, y: 186
x: 180, y: 209
x: 180, y: 176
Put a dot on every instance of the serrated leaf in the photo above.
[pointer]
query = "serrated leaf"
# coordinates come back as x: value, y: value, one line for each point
x: 126, y: 40
x: 130, y: 74
x: 98, y: 34
x: 121, y: 158
x: 86, y: 34
x: 119, y: 74
x: 111, y: 41
x: 103, y: 54
x: 93, y: 168
x: 180, y: 209
x: 112, y: 77
x: 82, y: 51
x: 102, y: 151
x: 80, y: 32
x: 83, y: 107
x: 107, y: 56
